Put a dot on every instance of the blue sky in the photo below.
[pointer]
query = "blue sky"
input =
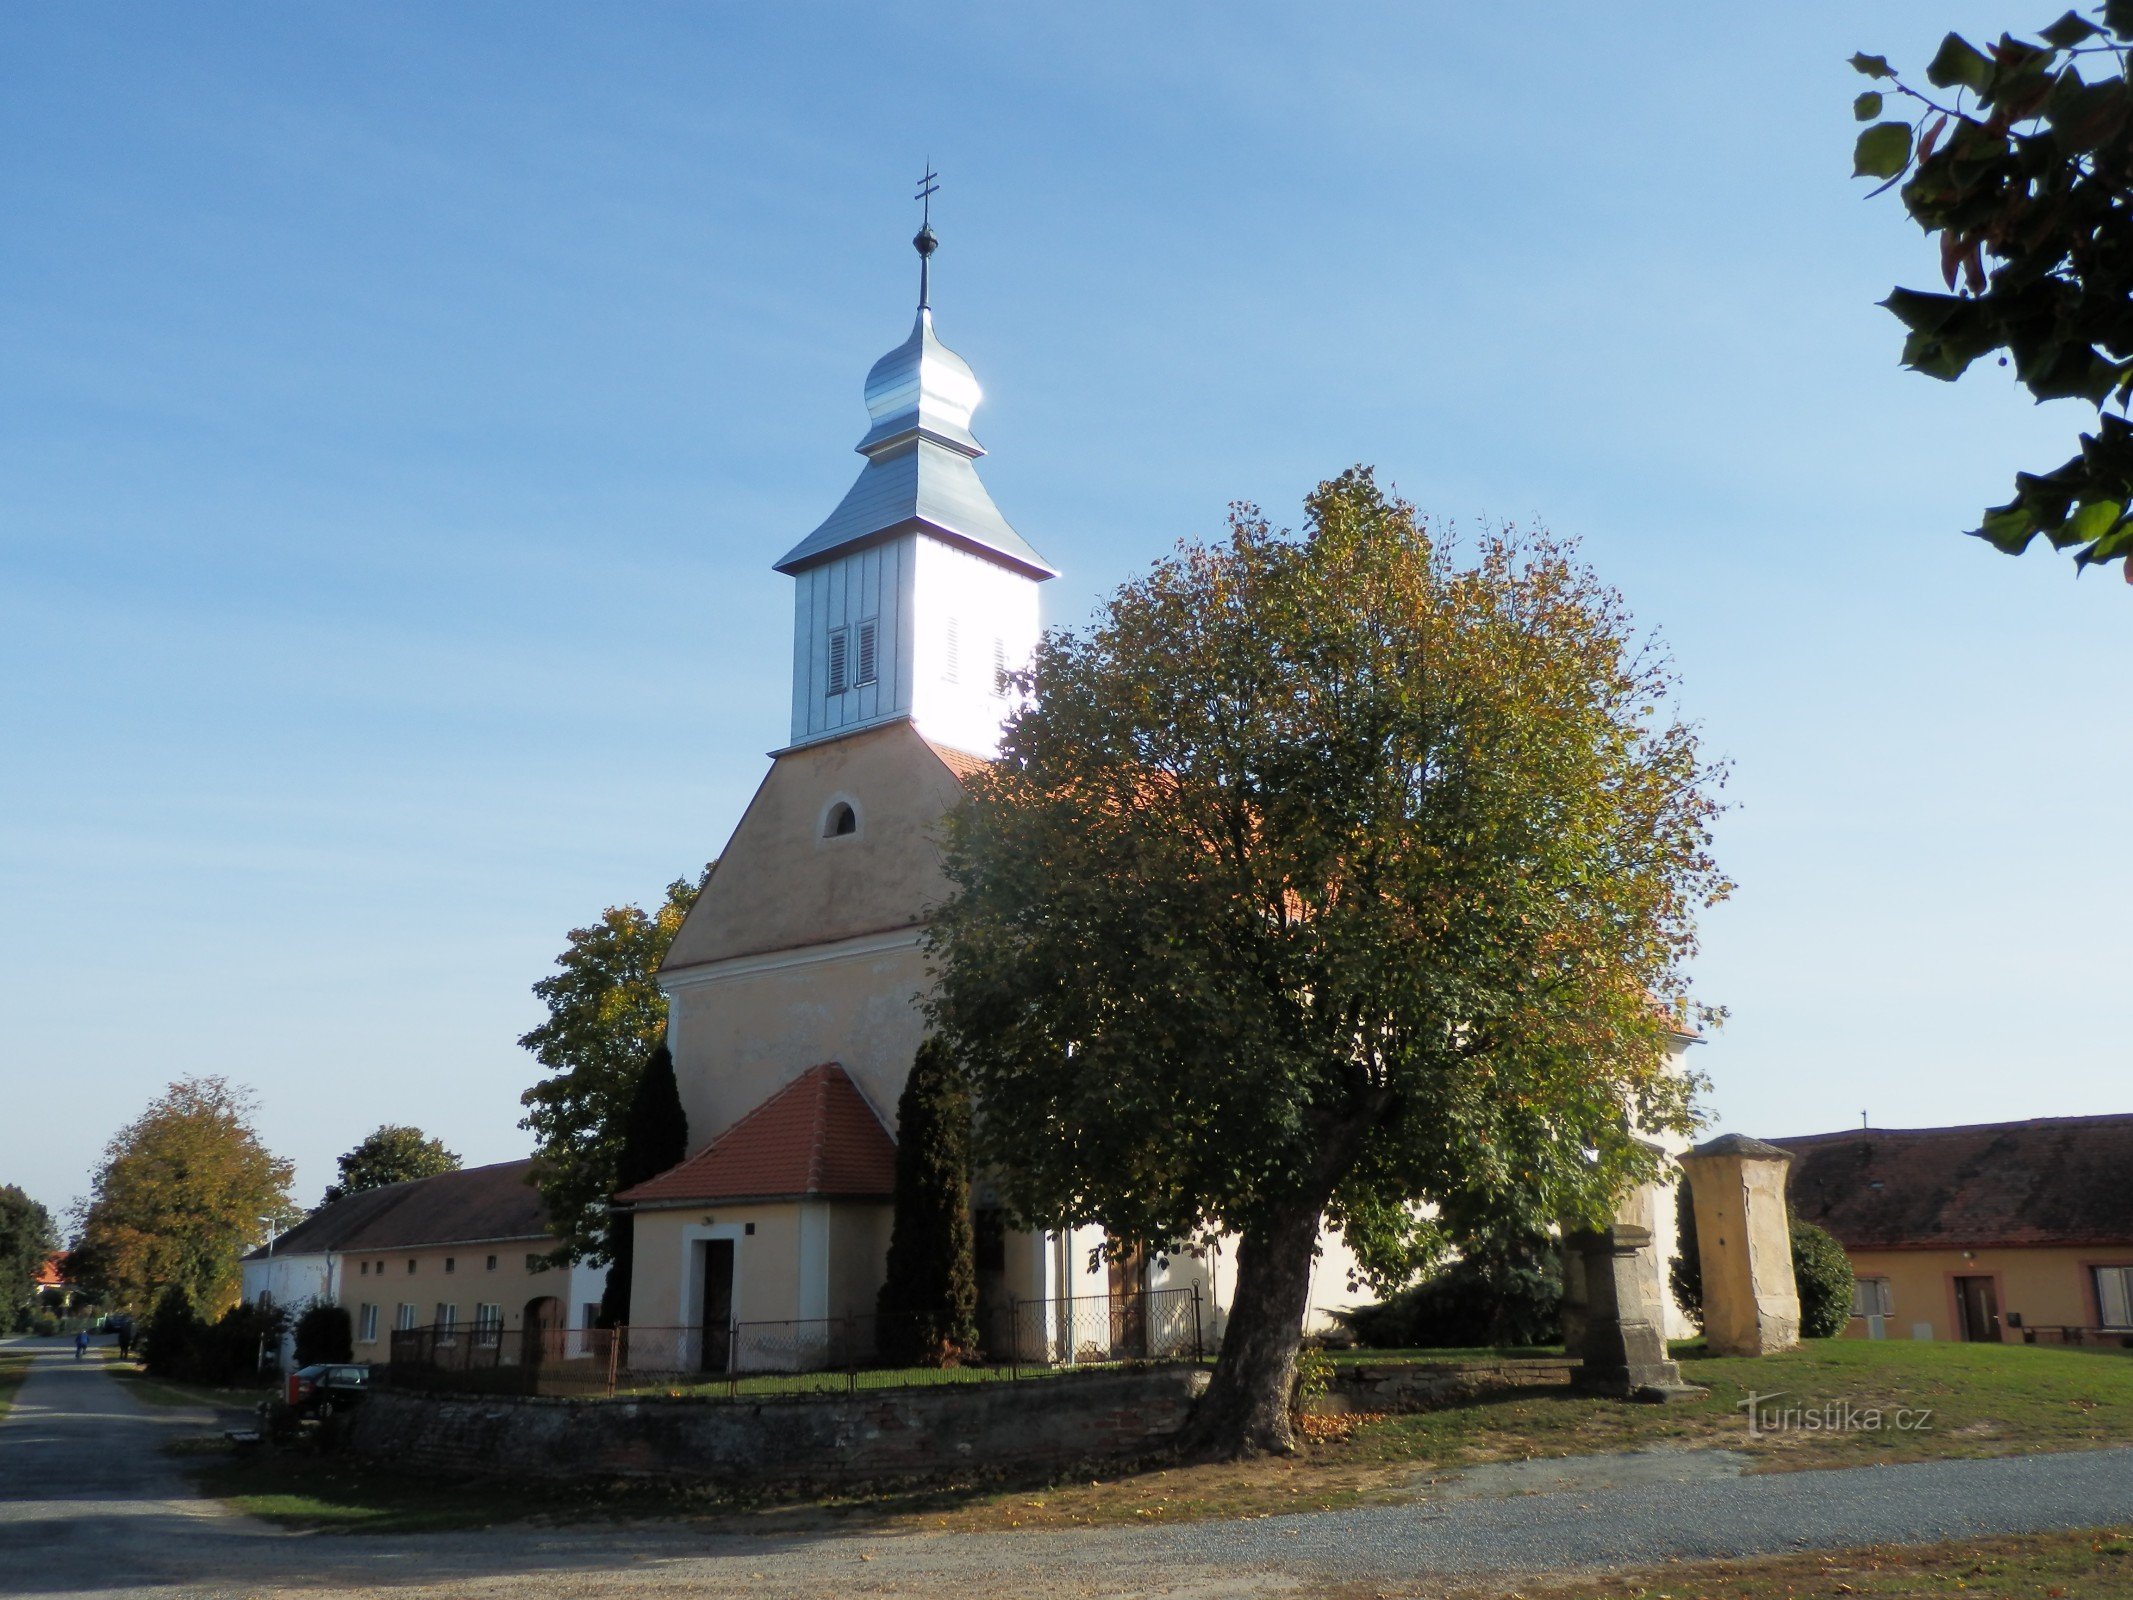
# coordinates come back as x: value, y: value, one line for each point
x: 401, y: 405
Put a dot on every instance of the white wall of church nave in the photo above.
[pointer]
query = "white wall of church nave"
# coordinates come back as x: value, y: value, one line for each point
x: 739, y: 1039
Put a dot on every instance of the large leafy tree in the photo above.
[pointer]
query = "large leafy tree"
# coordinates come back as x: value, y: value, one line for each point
x: 605, y: 1016
x: 1328, y: 877
x: 396, y: 1153
x: 183, y: 1191
x: 2017, y: 157
x: 26, y: 1238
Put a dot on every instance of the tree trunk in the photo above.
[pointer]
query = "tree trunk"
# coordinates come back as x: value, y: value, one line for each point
x: 1245, y: 1410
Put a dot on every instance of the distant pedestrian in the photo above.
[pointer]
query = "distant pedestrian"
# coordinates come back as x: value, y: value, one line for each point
x: 81, y: 1344
x: 125, y: 1340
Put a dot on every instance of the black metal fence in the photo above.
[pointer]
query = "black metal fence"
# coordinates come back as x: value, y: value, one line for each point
x: 831, y: 1355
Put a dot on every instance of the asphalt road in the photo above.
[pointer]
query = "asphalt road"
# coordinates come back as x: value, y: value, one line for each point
x: 89, y: 1506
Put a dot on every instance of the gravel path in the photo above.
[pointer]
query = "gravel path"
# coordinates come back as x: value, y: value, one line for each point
x: 87, y: 1507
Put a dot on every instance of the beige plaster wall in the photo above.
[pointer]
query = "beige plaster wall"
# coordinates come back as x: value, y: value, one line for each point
x: 2047, y: 1287
x: 664, y: 1290
x: 780, y: 884
x: 804, y: 948
x: 459, y: 1275
x: 859, y: 1252
x: 739, y: 1040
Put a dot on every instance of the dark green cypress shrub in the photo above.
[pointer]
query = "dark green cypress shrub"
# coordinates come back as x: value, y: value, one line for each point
x: 324, y: 1332
x: 1506, y: 1289
x: 175, y: 1334
x: 1822, y: 1273
x: 655, y: 1136
x: 929, y: 1301
x: 1684, y: 1274
x: 238, y: 1349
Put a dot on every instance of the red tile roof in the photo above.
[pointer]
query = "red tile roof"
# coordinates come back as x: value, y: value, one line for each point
x: 962, y: 763
x: 2051, y: 1181
x: 816, y: 1136
x: 48, y: 1275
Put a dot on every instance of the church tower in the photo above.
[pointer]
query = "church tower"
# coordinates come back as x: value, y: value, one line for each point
x: 793, y: 984
x: 915, y: 598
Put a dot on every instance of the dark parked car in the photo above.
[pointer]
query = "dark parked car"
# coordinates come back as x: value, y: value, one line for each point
x: 322, y: 1390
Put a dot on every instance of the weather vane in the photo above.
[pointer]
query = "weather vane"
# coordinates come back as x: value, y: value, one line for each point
x: 925, y: 244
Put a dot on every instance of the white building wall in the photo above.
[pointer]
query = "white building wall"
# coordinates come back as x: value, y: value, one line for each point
x: 944, y: 621
x: 292, y: 1282
x: 969, y: 615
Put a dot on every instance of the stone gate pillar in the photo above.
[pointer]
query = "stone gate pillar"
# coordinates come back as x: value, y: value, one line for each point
x: 1614, y: 1319
x: 1751, y: 1306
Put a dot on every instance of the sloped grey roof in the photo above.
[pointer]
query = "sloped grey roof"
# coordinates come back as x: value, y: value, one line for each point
x: 2050, y: 1181
x: 920, y: 454
x: 472, y: 1206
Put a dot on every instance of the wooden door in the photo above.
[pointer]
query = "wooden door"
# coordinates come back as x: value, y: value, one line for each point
x: 1979, y: 1302
x: 542, y: 1335
x: 718, y: 1304
x: 1129, y: 1306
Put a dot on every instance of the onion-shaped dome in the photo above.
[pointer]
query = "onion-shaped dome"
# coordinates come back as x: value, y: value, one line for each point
x: 920, y: 472
x: 921, y: 386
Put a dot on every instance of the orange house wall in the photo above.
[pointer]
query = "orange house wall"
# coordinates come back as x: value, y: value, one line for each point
x: 2045, y: 1286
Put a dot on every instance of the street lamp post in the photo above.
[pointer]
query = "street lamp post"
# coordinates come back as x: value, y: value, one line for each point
x: 268, y: 1292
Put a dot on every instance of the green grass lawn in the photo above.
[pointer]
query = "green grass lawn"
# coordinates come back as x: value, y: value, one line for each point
x: 301, y: 1489
x: 805, y: 1383
x: 14, y: 1367
x: 1981, y: 1400
x: 1975, y: 1400
x: 1464, y: 1355
x: 166, y: 1392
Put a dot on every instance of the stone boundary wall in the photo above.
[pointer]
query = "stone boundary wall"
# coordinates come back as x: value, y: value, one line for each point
x: 1425, y: 1385
x: 885, y: 1434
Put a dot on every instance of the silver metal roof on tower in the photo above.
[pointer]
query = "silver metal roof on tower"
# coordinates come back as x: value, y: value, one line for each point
x: 920, y: 472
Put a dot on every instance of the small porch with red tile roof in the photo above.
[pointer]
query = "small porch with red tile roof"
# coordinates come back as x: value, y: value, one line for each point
x: 782, y: 1217
x: 817, y: 1136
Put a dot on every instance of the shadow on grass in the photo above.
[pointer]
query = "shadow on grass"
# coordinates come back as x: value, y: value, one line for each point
x: 303, y: 1488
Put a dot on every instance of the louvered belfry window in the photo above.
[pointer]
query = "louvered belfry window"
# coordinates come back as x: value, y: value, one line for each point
x: 955, y: 652
x: 866, y: 653
x: 840, y: 660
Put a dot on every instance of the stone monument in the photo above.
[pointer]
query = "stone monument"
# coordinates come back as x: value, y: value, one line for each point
x: 1751, y: 1305
x: 1613, y: 1318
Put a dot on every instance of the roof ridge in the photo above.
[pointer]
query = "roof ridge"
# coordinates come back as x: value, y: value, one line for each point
x: 2095, y: 1120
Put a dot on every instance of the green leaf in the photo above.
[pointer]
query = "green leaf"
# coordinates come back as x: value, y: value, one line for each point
x: 1883, y: 151
x: 2008, y: 528
x: 2110, y: 547
x: 1867, y: 107
x: 2093, y: 521
x: 2069, y: 31
x: 1958, y: 62
x: 1873, y: 66
x: 1922, y: 312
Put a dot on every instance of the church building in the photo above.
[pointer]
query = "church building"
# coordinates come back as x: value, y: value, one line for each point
x: 793, y: 986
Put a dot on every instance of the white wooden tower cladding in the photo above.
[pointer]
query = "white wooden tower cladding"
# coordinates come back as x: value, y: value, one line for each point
x: 915, y: 596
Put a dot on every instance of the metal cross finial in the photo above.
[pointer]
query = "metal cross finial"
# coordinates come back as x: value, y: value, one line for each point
x: 925, y: 244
